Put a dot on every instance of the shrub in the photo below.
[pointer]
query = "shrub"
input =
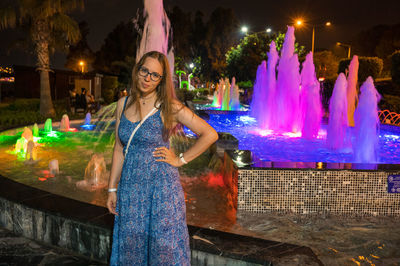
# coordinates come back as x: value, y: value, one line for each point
x: 326, y: 64
x: 25, y: 104
x: 368, y: 66
x: 245, y: 84
x: 391, y: 103
x: 395, y: 70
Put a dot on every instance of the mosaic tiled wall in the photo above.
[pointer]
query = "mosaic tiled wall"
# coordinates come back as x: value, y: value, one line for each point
x: 348, y: 193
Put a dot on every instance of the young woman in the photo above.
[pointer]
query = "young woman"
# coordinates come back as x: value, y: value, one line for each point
x: 145, y: 193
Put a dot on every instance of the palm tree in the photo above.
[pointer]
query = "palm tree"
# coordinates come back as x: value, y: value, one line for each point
x: 50, y: 28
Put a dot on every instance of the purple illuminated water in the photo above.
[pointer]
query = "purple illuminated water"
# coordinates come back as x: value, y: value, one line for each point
x: 310, y: 100
x: 338, y: 138
x: 366, y: 122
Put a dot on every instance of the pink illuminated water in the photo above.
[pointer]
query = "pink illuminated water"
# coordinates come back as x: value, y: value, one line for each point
x: 288, y: 84
x: 281, y: 104
x: 310, y: 100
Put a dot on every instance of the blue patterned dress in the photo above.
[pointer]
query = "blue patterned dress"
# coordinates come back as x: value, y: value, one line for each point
x: 150, y: 228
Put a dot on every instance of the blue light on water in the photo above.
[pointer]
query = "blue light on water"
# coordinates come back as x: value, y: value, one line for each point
x: 88, y: 127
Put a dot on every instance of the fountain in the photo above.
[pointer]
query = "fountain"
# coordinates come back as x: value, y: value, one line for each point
x: 257, y: 106
x: 48, y: 126
x: 27, y: 134
x: 64, y: 124
x: 87, y: 123
x: 288, y: 83
x: 96, y: 175
x: 310, y: 101
x: 367, y: 124
x: 35, y: 130
x: 54, y: 167
x: 20, y: 146
x: 337, y: 137
x: 352, y: 89
x: 226, y: 96
x: 30, y: 151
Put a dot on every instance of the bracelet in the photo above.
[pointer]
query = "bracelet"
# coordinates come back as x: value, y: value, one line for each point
x: 182, y: 159
x: 112, y: 190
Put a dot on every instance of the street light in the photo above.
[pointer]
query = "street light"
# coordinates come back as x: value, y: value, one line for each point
x: 299, y: 23
x: 268, y: 30
x: 82, y: 64
x: 345, y: 45
x: 244, y: 29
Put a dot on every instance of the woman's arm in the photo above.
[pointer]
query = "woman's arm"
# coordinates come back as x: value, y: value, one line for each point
x: 206, y: 134
x: 117, y: 161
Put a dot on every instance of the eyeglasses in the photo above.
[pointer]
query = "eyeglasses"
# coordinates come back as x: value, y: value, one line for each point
x: 154, y: 76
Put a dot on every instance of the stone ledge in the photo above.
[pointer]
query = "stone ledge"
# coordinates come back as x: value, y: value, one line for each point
x: 87, y: 229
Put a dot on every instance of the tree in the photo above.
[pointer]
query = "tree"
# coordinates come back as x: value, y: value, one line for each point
x: 326, y: 64
x: 181, y: 24
x: 117, y: 55
x: 380, y: 41
x: 50, y: 28
x: 219, y: 37
x: 242, y: 61
x: 80, y: 51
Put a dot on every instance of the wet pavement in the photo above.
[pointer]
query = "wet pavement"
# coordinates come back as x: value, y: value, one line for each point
x: 20, y: 251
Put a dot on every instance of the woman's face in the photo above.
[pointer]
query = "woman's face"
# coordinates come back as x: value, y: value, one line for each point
x: 149, y: 75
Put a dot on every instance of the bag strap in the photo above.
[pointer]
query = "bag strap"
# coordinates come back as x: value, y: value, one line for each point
x: 138, y: 126
x: 123, y: 109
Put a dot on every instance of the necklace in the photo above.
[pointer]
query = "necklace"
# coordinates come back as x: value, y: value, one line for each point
x: 144, y: 99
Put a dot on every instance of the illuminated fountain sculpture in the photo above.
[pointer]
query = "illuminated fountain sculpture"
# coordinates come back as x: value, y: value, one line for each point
x: 87, y: 124
x: 48, y: 126
x: 64, y: 124
x: 96, y: 175
x: 226, y: 95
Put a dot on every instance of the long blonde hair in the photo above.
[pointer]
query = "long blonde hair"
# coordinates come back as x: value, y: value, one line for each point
x: 165, y: 93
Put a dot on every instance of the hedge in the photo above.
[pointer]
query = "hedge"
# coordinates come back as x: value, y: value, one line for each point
x: 395, y: 71
x: 368, y: 66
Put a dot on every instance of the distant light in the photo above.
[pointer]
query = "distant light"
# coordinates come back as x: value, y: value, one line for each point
x: 321, y: 79
x: 244, y: 29
x: 328, y: 24
x: 191, y: 65
x: 81, y: 63
x: 268, y: 30
x: 299, y: 22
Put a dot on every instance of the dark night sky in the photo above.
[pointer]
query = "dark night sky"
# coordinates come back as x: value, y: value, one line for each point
x: 348, y: 18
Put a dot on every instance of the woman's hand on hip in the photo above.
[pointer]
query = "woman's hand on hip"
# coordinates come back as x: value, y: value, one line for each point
x: 112, y: 202
x: 166, y: 155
